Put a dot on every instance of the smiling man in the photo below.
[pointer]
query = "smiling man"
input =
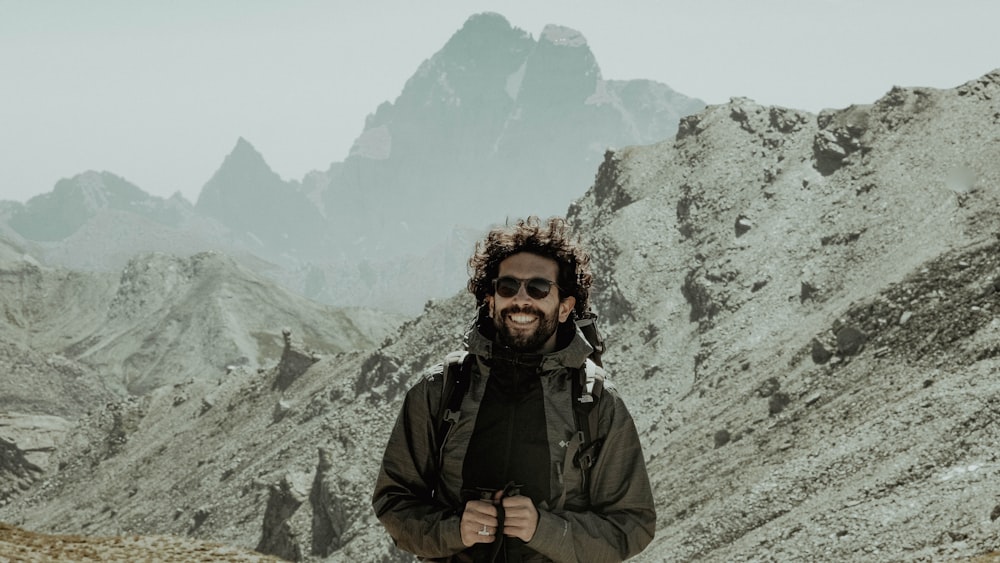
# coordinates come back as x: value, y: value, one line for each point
x: 514, y: 452
x: 523, y: 322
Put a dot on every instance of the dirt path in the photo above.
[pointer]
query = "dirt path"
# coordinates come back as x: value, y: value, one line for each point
x: 17, y: 545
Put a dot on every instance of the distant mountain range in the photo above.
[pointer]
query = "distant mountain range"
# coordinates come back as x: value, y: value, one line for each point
x: 496, y: 124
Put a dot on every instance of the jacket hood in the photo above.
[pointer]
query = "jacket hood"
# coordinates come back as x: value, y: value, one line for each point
x: 572, y: 348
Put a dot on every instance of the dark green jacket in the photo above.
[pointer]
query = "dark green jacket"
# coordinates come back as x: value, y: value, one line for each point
x: 420, y: 505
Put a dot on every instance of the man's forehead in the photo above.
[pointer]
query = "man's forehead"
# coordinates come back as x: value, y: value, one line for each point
x: 529, y: 264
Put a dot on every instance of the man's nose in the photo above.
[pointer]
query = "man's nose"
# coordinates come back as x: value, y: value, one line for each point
x: 522, y: 293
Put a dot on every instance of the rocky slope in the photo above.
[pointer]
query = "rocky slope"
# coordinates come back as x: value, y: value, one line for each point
x: 814, y: 302
x: 73, y: 342
x: 165, y: 319
x: 44, y: 311
x: 802, y: 314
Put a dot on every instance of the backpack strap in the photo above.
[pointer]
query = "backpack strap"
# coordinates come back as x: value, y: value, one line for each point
x: 586, y: 404
x: 582, y: 449
x: 456, y: 374
x: 587, y: 323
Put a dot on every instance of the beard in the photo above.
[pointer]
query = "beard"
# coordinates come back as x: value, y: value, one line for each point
x: 525, y: 340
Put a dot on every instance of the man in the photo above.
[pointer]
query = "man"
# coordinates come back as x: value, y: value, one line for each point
x: 499, y: 486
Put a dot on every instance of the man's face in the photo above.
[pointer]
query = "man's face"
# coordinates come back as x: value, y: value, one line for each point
x: 525, y: 323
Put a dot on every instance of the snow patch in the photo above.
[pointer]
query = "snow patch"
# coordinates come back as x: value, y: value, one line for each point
x: 514, y: 81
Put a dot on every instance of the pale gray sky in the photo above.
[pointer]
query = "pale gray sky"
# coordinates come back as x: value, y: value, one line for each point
x: 159, y: 92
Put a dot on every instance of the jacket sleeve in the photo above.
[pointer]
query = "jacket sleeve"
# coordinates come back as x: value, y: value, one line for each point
x: 403, y: 499
x: 621, y: 520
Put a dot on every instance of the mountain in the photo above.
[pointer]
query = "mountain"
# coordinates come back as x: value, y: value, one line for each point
x: 57, y: 215
x: 206, y: 313
x: 251, y: 200
x: 494, y: 116
x: 161, y: 320
x: 802, y: 317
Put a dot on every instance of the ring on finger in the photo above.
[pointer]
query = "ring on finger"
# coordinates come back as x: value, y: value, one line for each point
x: 485, y: 531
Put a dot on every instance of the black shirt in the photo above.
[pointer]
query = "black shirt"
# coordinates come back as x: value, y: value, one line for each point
x: 509, y: 443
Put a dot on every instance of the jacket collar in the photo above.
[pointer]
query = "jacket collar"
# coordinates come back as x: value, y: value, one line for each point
x: 572, y: 348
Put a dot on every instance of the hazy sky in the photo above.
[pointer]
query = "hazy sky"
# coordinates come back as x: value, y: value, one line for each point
x: 159, y: 92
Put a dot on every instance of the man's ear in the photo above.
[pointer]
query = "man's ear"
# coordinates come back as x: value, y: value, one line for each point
x: 489, y: 306
x: 566, y: 307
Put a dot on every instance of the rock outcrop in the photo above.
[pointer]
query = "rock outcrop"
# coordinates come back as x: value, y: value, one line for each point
x: 294, y: 361
x: 278, y: 536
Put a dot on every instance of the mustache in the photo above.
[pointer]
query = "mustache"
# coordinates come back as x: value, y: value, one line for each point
x: 515, y: 309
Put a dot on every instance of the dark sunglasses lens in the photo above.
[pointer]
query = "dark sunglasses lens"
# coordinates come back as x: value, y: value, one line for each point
x: 507, y: 287
x: 538, y: 288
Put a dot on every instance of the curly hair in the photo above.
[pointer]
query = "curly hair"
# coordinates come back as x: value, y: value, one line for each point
x: 554, y: 240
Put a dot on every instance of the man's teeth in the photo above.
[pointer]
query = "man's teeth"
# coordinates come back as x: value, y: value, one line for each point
x: 523, y: 319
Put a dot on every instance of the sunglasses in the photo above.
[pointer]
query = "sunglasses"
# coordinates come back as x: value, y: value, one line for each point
x: 508, y: 286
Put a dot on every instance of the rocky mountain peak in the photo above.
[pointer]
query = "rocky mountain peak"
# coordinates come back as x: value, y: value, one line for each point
x: 475, y: 60
x: 244, y: 154
x: 98, y: 190
x: 494, y: 109
x: 88, y: 186
x: 59, y: 213
x: 562, y: 64
x: 483, y: 23
x: 247, y: 196
x: 243, y: 171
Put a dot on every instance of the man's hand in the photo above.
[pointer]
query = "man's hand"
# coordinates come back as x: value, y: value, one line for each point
x: 520, y: 518
x: 479, y: 516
